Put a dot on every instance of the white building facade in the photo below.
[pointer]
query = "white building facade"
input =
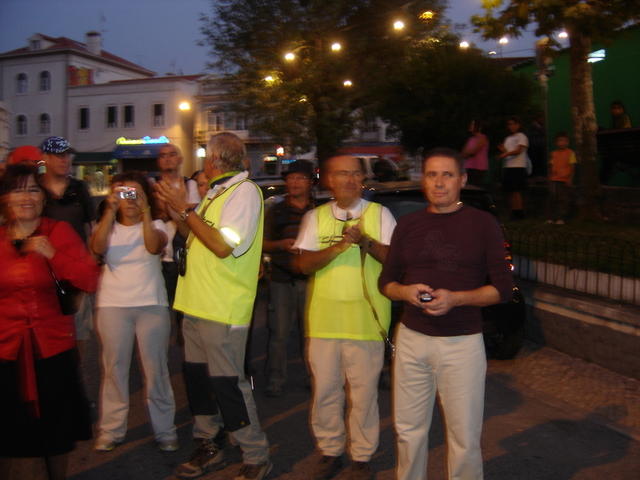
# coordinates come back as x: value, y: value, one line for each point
x: 130, y: 119
x: 36, y: 80
x: 115, y: 113
x: 4, y: 131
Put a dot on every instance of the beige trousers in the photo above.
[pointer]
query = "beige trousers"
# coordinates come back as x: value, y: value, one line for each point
x: 454, y: 368
x: 352, y: 365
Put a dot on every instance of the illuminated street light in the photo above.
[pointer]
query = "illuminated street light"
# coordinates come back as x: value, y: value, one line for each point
x: 336, y: 47
x: 493, y: 52
x: 503, y: 41
x: 563, y: 34
x: 347, y: 83
x: 289, y: 56
x: 303, y: 99
x: 269, y: 79
x: 184, y: 106
x: 464, y: 44
x: 426, y: 15
x: 398, y: 25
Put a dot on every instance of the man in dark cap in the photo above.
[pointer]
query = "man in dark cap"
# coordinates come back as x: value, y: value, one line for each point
x: 287, y: 286
x: 68, y: 199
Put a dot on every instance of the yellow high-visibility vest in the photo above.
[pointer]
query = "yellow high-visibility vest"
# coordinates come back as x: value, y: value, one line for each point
x: 220, y: 289
x: 337, y: 307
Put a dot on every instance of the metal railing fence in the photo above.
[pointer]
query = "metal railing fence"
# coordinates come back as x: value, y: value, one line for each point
x: 598, y: 265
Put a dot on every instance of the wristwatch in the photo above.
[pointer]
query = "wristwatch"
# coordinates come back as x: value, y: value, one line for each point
x: 185, y: 213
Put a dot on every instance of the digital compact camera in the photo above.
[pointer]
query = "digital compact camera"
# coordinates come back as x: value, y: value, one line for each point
x: 127, y: 193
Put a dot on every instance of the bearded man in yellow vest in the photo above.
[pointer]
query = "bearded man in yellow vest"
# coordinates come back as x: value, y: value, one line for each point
x: 342, y: 245
x: 216, y: 290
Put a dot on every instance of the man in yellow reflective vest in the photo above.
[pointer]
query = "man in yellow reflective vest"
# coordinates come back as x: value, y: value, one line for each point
x: 342, y: 245
x: 216, y: 290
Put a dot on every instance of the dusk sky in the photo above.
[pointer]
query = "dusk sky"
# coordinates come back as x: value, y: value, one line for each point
x: 160, y: 35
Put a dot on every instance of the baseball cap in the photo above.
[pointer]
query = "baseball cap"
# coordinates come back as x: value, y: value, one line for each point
x: 300, y: 166
x: 56, y: 145
x: 24, y: 154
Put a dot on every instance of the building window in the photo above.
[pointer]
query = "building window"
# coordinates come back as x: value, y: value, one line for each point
x: 83, y: 118
x: 241, y: 122
x: 370, y: 125
x: 45, y: 81
x: 158, y: 114
x: 21, y: 125
x: 112, y: 117
x: 45, y: 124
x: 35, y: 44
x: 21, y: 83
x: 230, y: 121
x: 215, y: 121
x: 129, y: 120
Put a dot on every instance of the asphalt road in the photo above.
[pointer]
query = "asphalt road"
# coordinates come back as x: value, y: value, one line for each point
x: 547, y: 417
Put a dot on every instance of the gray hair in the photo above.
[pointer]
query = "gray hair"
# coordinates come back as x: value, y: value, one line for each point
x: 227, y: 152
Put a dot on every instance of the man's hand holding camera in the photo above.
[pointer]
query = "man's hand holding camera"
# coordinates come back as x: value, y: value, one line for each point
x: 441, y: 303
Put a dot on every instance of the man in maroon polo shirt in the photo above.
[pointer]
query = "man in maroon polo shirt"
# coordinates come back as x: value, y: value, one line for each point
x: 445, y: 262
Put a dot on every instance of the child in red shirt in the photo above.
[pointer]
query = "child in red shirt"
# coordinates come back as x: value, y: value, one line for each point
x: 561, y: 170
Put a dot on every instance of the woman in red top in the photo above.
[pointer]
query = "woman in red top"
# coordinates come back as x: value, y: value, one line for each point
x: 43, y: 410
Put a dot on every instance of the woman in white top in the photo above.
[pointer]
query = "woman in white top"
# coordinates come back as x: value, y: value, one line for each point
x: 132, y: 305
x: 514, y: 170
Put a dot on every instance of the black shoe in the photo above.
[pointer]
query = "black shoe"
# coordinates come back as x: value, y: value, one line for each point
x: 254, y: 472
x: 207, y: 457
x: 326, y: 468
x: 360, y: 471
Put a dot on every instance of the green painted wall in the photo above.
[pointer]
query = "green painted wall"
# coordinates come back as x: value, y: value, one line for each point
x: 615, y: 78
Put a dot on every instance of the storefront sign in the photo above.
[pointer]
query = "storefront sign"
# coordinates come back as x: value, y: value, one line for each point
x: 142, y: 141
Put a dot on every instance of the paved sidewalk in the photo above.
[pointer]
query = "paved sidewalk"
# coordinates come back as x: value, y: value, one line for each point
x: 547, y: 417
x: 609, y: 398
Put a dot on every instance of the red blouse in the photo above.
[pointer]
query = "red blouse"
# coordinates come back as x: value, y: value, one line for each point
x: 31, y: 323
x: 28, y: 299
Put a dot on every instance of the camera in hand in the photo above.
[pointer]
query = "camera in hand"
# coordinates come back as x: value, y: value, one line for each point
x: 425, y: 297
x: 127, y: 193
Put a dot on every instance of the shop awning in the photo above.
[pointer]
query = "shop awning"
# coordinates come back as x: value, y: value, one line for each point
x: 93, y: 157
x: 137, y: 151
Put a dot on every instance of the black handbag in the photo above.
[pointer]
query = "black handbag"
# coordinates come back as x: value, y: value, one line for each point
x: 67, y: 295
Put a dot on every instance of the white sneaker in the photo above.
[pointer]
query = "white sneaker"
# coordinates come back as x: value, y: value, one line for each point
x: 168, y: 445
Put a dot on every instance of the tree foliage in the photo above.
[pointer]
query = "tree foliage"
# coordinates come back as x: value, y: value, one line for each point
x: 305, y: 103
x: 438, y: 91
x: 585, y: 21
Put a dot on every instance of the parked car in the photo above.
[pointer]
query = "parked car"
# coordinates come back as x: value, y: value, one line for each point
x: 378, y: 169
x: 503, y: 324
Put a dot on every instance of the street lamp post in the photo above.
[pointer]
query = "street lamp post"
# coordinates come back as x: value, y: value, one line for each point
x: 503, y: 41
